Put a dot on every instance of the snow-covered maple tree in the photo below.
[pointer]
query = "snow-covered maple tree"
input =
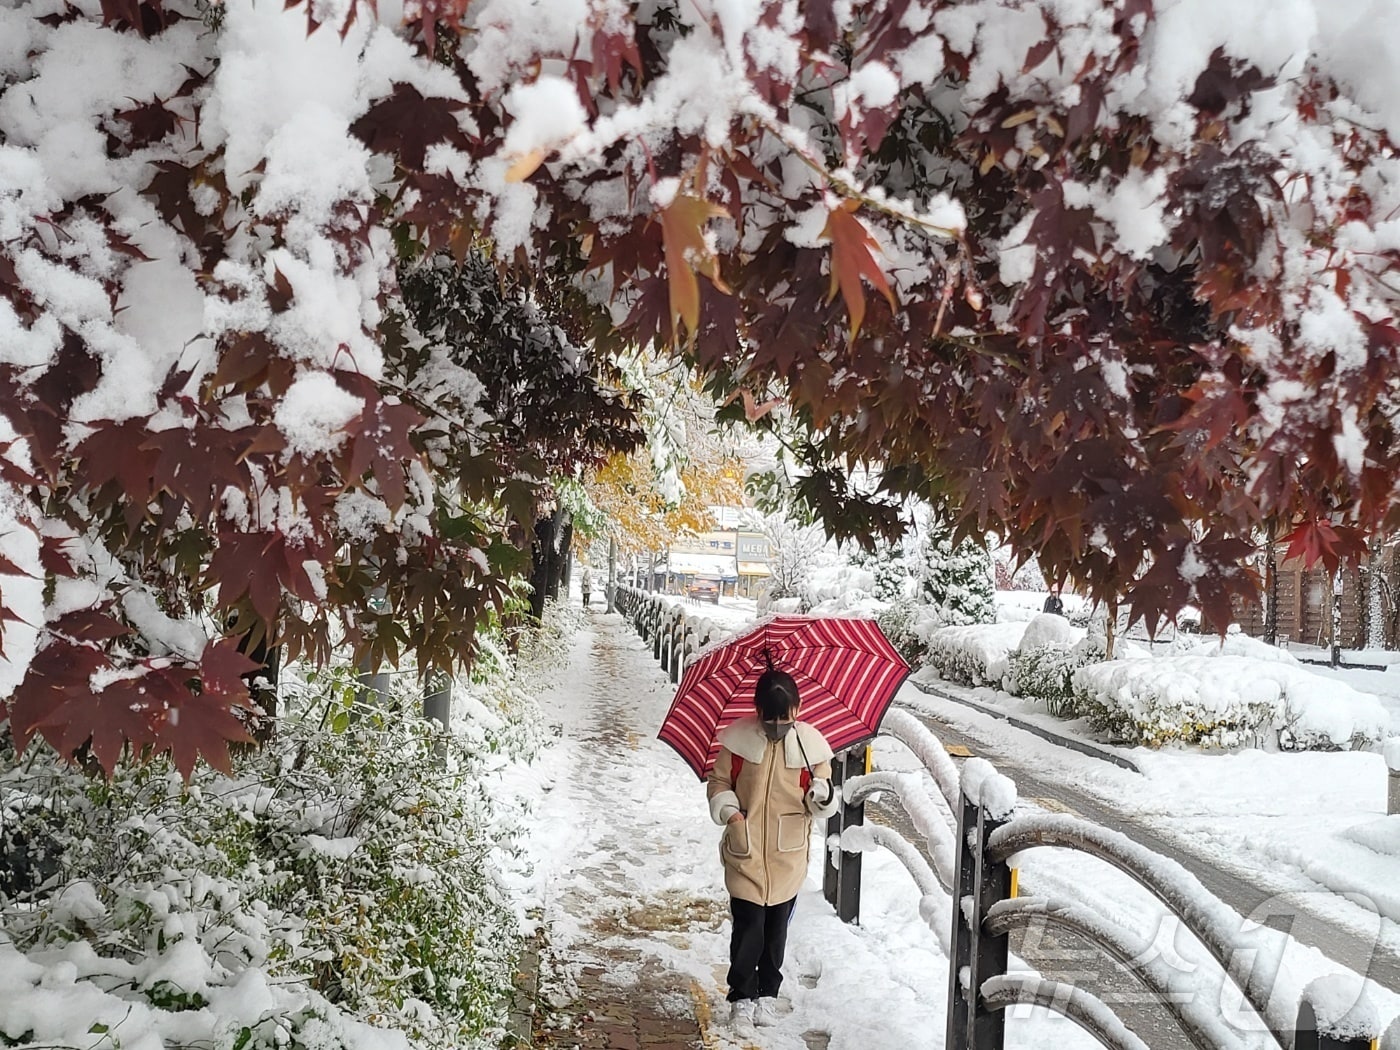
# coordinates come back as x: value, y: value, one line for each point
x: 1113, y: 279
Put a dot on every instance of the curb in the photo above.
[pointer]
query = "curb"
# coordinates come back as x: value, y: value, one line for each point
x: 1084, y: 748
x: 524, y: 997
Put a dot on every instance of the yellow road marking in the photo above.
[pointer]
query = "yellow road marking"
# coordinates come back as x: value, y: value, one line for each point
x: 1054, y: 805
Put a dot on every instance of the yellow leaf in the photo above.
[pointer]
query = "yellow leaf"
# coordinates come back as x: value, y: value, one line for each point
x: 524, y: 165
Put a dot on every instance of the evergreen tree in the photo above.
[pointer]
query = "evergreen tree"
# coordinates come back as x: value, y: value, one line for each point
x: 889, y: 564
x: 957, y: 582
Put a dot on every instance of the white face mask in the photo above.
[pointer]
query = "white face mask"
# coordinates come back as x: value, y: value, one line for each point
x: 776, y: 730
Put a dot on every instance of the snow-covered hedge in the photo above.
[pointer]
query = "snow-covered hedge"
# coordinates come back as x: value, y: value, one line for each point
x: 1225, y: 700
x: 1050, y: 651
x: 972, y: 655
x: 1235, y: 693
x: 341, y: 889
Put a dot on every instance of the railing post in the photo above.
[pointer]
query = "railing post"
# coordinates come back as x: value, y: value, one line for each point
x: 1392, y: 764
x: 989, y: 953
x: 656, y: 640
x: 841, y: 877
x: 981, y: 882
x: 853, y: 815
x: 964, y: 932
x: 677, y: 648
x: 1308, y: 1037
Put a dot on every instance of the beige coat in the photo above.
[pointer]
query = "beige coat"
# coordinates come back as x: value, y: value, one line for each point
x: 765, y: 855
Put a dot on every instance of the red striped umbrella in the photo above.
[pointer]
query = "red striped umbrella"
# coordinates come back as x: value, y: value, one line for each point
x: 846, y: 671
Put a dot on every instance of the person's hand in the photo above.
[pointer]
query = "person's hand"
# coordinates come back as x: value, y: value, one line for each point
x: 736, y: 817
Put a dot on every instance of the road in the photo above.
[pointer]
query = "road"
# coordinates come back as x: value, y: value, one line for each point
x: 1083, y: 965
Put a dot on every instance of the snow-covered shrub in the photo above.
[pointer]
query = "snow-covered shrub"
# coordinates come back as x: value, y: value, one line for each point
x: 1225, y: 701
x: 900, y: 622
x: 1237, y: 643
x: 346, y: 875
x: 840, y: 589
x: 890, y: 569
x: 1051, y: 650
x: 1050, y: 629
x: 973, y: 654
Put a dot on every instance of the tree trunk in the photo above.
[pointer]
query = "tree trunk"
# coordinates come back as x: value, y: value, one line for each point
x: 549, y: 558
x: 1271, y: 591
x: 612, y: 573
x: 1375, y: 596
x: 1336, y: 638
x: 259, y: 647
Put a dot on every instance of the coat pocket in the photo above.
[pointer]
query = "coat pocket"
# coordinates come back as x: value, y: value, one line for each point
x: 736, y: 839
x: 793, y: 829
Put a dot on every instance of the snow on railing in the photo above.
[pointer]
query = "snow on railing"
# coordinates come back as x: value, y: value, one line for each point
x: 922, y: 810
x: 983, y: 786
x: 927, y: 748
x: 934, y: 903
x: 1088, y: 1011
x: 1212, y: 921
x: 1198, y: 1019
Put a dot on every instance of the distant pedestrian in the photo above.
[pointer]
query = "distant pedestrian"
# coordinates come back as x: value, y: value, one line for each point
x: 772, y: 776
x: 586, y: 582
x: 1053, y: 604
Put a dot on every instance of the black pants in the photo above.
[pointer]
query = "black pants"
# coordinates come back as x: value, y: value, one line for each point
x: 756, y: 947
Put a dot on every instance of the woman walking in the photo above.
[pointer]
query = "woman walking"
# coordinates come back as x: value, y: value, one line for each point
x: 772, y: 776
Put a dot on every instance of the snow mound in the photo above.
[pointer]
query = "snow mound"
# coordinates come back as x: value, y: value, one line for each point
x: 1236, y: 643
x: 1379, y: 836
x: 1050, y: 629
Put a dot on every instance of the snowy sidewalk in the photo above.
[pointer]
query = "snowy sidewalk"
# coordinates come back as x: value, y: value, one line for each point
x: 634, y: 906
x: 618, y: 870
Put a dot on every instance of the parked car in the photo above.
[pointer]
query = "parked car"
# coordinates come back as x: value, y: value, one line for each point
x: 703, y: 590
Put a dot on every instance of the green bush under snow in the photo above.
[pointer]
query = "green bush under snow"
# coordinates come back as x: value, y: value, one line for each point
x: 1237, y: 692
x: 339, y: 890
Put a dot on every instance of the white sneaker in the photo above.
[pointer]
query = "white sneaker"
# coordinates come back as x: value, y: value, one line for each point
x: 767, y: 1012
x: 741, y: 1016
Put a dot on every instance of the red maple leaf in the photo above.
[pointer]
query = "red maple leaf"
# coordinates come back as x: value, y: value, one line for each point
x: 199, y: 720
x: 852, y: 258
x: 1320, y: 541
